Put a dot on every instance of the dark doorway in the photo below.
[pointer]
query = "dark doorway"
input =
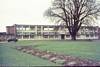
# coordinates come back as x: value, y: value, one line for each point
x: 62, y: 36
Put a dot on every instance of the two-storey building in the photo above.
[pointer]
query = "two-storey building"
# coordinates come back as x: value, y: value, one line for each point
x: 50, y: 32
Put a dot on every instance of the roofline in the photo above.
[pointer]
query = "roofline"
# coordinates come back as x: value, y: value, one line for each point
x: 45, y: 25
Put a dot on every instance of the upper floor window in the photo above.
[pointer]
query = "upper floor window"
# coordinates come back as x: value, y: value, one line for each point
x: 38, y: 28
x: 32, y: 27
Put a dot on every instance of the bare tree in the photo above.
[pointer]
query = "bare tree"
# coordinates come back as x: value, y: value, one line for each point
x: 74, y: 13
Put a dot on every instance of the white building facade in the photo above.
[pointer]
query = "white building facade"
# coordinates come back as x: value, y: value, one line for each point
x: 52, y: 32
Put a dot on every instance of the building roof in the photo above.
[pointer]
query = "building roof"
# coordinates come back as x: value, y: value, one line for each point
x: 45, y: 25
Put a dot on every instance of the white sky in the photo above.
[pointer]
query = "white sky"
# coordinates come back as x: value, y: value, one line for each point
x: 22, y: 12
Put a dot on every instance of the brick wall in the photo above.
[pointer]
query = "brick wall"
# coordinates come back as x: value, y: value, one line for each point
x: 11, y: 30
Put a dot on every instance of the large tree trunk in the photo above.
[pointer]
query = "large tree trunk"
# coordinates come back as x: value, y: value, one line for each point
x: 73, y: 37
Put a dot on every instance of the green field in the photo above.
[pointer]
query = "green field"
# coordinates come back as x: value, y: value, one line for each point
x: 82, y: 49
x: 12, y: 57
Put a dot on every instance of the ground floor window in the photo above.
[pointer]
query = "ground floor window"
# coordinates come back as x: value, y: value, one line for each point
x: 45, y: 36
x: 31, y: 36
x: 26, y: 36
x: 62, y: 36
x: 56, y: 36
x: 19, y: 36
x: 51, y: 36
x: 38, y: 33
x: 67, y: 36
x: 96, y: 34
x: 78, y: 35
x: 87, y: 35
x: 91, y: 34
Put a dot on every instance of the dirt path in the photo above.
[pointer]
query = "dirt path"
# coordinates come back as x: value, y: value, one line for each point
x: 64, y: 60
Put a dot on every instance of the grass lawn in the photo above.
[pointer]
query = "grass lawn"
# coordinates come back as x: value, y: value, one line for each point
x: 83, y: 49
x: 12, y: 57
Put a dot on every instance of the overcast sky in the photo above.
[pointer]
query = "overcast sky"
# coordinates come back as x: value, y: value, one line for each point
x: 22, y: 12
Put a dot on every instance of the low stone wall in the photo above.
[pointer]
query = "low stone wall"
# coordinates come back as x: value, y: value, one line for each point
x: 64, y: 60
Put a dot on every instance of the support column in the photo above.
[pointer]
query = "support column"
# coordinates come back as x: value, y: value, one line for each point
x: 48, y: 33
x: 29, y: 31
x: 29, y: 36
x: 42, y: 32
x: 54, y: 36
x: 36, y: 32
x: 22, y: 32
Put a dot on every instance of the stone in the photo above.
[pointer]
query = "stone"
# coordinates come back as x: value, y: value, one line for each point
x: 46, y: 56
x: 48, y: 51
x: 83, y: 64
x: 19, y: 48
x: 33, y: 53
x: 37, y: 54
x: 53, y: 58
x: 24, y: 50
x: 29, y: 51
x: 71, y: 63
x: 60, y: 61
x: 98, y: 62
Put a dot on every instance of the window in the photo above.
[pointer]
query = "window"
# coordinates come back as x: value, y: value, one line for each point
x: 38, y: 33
x: 32, y: 33
x: 96, y: 33
x: 38, y: 28
x: 67, y: 36
x: 32, y: 27
x: 19, y: 33
x: 56, y: 36
x: 91, y: 34
x: 25, y: 27
x: 25, y: 33
x: 51, y: 28
x: 31, y: 36
x: 56, y: 33
x: 62, y: 27
x: 19, y: 28
x: 51, y: 33
x: 45, y: 28
x: 26, y: 36
x: 56, y: 28
x: 78, y: 35
x: 87, y: 35
x: 45, y: 36
x: 51, y: 36
x: 45, y: 33
x: 19, y: 36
